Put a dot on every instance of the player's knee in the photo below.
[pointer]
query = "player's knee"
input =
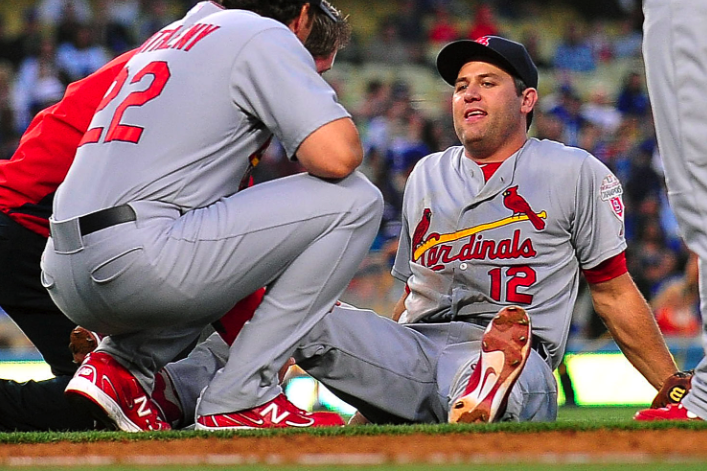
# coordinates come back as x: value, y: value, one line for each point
x: 368, y: 200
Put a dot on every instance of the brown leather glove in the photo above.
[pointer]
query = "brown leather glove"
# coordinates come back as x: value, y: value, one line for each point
x: 674, y: 389
x: 81, y: 342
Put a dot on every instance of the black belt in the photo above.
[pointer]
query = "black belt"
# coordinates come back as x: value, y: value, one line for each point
x: 106, y: 218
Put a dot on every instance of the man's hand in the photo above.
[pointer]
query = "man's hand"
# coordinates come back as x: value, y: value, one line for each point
x: 82, y: 342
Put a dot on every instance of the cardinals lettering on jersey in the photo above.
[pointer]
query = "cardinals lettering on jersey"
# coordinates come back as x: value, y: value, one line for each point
x: 478, y: 248
x: 437, y: 249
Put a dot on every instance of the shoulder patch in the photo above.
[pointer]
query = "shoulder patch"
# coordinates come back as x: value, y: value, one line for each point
x: 611, y: 191
x: 610, y: 188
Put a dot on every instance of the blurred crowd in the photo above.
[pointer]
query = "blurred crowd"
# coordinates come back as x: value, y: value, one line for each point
x: 60, y: 41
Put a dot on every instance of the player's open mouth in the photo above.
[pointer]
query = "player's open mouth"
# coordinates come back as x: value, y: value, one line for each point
x: 474, y: 113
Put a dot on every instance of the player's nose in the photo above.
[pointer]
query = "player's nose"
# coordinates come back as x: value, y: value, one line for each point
x: 472, y: 93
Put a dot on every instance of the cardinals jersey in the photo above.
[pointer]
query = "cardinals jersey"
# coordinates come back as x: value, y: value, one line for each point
x: 249, y: 78
x: 469, y: 247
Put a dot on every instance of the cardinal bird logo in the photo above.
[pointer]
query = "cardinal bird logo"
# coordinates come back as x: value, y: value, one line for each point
x: 516, y: 203
x: 422, y: 227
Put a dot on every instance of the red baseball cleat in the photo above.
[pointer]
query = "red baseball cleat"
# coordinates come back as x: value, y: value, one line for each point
x: 113, y: 395
x: 505, y: 348
x: 278, y: 413
x: 669, y: 412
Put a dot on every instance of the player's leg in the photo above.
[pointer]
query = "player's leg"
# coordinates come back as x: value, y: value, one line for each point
x: 306, y: 254
x: 696, y: 400
x: 387, y: 371
x: 192, y: 374
x: 302, y: 236
x: 532, y: 398
x: 675, y: 54
x: 371, y: 363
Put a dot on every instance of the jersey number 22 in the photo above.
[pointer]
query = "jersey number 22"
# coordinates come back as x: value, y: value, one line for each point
x: 117, y: 130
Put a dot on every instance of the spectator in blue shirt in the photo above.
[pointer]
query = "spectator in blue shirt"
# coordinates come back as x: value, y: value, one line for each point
x: 574, y: 53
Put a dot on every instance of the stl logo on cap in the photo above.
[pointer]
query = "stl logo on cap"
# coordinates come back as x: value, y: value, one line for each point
x: 483, y: 40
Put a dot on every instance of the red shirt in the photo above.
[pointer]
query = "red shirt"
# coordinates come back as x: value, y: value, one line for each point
x: 29, y: 179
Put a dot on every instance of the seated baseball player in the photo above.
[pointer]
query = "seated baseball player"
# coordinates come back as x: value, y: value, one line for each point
x: 495, y: 234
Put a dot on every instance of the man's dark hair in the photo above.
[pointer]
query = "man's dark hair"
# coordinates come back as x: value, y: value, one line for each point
x: 328, y: 36
x: 284, y: 11
x: 520, y: 85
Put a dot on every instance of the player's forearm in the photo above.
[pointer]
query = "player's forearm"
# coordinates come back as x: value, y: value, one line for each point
x: 630, y: 321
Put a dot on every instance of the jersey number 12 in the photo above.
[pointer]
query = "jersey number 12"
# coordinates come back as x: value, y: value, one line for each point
x: 520, y: 276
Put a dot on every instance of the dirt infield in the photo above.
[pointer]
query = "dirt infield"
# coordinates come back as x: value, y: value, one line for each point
x: 416, y: 448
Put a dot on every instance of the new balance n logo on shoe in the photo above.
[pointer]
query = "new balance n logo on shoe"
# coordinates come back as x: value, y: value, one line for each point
x: 277, y: 418
x: 143, y: 409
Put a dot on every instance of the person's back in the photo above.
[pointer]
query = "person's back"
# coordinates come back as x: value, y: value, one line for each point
x: 180, y: 123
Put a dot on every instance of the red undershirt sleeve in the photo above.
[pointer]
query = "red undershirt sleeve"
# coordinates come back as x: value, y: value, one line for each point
x: 607, y: 270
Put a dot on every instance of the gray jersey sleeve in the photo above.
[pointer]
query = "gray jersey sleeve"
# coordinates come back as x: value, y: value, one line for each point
x: 275, y: 79
x: 599, y: 219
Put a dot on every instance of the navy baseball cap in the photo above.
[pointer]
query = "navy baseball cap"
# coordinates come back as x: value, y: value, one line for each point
x: 509, y: 55
x: 324, y: 6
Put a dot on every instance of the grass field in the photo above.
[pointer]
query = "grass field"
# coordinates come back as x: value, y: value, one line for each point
x: 570, y: 419
x: 582, y: 415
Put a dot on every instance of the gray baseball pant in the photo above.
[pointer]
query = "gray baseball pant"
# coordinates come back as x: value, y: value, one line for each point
x: 391, y: 373
x: 675, y: 55
x: 153, y: 284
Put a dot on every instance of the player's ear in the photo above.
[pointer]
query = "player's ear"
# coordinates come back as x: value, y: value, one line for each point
x: 302, y: 25
x: 529, y: 98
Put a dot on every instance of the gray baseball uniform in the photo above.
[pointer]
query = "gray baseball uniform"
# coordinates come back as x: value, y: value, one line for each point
x: 675, y: 55
x: 476, y: 249
x: 469, y: 248
x: 175, y: 138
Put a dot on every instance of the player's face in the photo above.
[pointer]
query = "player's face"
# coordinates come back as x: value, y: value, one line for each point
x: 487, y: 112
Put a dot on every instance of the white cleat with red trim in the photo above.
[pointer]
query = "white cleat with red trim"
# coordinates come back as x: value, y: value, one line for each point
x: 505, y: 348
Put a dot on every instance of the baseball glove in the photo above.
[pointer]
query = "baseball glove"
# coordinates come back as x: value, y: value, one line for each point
x: 674, y: 389
x: 81, y: 342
